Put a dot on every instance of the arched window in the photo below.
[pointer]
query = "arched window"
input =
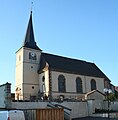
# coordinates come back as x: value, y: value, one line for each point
x: 61, y: 84
x: 79, y: 85
x: 93, y: 84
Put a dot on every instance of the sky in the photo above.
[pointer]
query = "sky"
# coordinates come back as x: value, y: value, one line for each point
x: 81, y: 29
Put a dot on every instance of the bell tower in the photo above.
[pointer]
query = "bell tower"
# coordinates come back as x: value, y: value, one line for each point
x: 27, y: 63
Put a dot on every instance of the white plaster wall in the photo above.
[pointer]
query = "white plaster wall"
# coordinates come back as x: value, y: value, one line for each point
x: 47, y: 81
x: 99, y: 83
x: 46, y: 75
x: 30, y: 73
x: 30, y: 79
x: 30, y: 67
x: 19, y: 71
x: 29, y: 91
x: 19, y: 56
x: 71, y: 83
x: 40, y: 81
x: 96, y: 96
x: 26, y: 55
x: 26, y: 72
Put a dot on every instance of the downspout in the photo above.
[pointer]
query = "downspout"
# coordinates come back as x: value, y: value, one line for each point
x: 85, y: 84
x: 50, y: 84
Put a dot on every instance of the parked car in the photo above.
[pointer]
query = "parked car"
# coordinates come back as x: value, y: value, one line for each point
x: 12, y: 115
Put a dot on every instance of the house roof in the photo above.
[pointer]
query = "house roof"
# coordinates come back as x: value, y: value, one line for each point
x: 93, y: 91
x: 29, y: 41
x: 59, y: 63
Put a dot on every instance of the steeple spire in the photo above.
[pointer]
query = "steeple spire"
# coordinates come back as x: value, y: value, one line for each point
x: 29, y: 41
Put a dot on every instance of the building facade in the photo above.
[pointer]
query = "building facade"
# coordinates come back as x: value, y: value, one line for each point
x: 5, y: 96
x: 40, y: 74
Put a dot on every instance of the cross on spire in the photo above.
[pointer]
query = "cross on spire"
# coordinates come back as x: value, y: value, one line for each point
x: 31, y: 5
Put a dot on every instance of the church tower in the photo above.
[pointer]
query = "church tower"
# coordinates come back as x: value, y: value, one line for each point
x: 27, y: 63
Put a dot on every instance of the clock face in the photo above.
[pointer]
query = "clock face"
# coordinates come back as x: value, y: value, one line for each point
x: 32, y: 55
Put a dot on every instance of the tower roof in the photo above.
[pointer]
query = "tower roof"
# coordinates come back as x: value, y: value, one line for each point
x: 29, y: 41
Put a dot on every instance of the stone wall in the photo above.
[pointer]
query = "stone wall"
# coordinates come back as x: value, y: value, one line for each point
x: 5, y: 95
x: 78, y: 109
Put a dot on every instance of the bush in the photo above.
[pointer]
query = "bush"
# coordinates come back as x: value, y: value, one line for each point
x: 103, y: 111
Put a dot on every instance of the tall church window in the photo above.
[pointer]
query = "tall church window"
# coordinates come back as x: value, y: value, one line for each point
x: 79, y: 88
x: 61, y: 84
x: 93, y: 84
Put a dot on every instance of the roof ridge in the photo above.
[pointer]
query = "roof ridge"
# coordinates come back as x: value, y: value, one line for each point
x: 67, y: 57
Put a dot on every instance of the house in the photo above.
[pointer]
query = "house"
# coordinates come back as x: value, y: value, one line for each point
x: 116, y: 88
x: 5, y: 95
x: 40, y: 74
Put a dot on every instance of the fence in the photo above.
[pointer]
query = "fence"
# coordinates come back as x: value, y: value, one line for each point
x: 44, y: 114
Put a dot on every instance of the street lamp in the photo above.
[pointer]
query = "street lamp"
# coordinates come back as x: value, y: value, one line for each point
x: 107, y: 92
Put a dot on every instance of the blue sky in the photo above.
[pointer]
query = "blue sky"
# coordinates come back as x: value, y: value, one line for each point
x: 82, y: 29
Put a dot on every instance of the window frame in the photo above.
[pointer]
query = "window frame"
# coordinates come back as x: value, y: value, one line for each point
x: 93, y: 85
x: 61, y: 84
x: 79, y: 86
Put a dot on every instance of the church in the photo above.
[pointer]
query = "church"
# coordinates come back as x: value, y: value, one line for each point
x: 40, y: 74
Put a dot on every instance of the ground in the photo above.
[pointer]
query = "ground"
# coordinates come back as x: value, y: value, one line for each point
x: 95, y: 118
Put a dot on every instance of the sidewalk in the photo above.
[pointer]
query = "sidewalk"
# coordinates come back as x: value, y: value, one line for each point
x: 95, y: 118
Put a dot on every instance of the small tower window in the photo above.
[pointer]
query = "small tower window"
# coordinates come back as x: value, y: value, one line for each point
x: 19, y: 58
x: 43, y: 79
x: 31, y: 66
